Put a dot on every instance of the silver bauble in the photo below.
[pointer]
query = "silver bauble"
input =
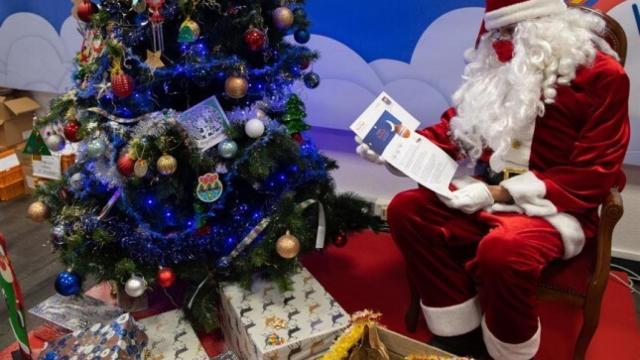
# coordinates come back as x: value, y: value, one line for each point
x: 55, y: 142
x: 96, y: 148
x: 135, y: 286
x: 227, y: 148
x: 76, y: 181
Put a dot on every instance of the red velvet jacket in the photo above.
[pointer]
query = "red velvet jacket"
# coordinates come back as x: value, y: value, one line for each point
x: 574, y: 154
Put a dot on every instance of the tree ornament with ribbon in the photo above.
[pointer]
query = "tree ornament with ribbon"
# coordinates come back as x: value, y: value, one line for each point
x: 85, y: 10
x: 255, y: 39
x: 189, y: 31
x: 122, y: 84
x: 36, y: 147
x: 157, y: 20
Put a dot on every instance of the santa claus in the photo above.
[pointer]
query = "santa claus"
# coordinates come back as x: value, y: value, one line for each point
x: 543, y: 114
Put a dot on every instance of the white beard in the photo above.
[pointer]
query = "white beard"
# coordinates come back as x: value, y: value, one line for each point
x: 497, y: 100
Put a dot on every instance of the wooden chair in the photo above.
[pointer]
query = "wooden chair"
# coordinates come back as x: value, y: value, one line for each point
x: 587, y: 273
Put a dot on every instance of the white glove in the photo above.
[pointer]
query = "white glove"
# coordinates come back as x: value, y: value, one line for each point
x: 366, y: 153
x: 470, y: 199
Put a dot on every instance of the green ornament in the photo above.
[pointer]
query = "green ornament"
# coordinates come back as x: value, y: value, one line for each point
x: 189, y: 31
x: 36, y: 146
x: 295, y: 115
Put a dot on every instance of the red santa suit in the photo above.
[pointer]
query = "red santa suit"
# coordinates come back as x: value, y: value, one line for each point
x: 568, y: 161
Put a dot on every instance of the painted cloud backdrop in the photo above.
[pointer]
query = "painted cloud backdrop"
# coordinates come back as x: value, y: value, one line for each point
x: 35, y: 55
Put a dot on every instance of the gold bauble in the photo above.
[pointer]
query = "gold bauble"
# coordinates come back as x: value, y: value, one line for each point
x: 283, y: 18
x: 38, y: 211
x: 236, y: 87
x: 288, y: 246
x: 167, y: 165
x: 141, y: 167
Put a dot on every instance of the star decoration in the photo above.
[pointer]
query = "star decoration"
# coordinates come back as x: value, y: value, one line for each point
x: 154, y: 59
x: 103, y: 88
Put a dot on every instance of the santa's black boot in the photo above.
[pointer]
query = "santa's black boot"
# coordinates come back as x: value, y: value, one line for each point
x: 470, y: 344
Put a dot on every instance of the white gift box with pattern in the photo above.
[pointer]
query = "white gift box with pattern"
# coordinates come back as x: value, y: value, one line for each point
x: 265, y: 323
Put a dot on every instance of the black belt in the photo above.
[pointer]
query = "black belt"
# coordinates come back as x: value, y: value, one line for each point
x: 484, y: 171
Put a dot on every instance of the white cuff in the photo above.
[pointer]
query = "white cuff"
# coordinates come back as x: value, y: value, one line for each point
x: 500, y: 350
x: 522, y: 11
x: 453, y: 320
x: 529, y: 193
x: 571, y: 232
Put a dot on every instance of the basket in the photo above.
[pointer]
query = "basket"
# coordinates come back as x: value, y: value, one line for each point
x: 12, y: 191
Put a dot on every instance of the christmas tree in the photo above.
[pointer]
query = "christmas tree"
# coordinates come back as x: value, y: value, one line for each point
x: 191, y: 167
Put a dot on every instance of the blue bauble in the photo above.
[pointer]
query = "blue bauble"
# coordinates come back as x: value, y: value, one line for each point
x: 68, y: 283
x: 227, y: 148
x: 312, y: 80
x: 302, y: 36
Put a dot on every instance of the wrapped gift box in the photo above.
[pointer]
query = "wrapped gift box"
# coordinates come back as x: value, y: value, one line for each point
x: 75, y: 312
x: 264, y: 323
x: 120, y: 339
x: 171, y: 337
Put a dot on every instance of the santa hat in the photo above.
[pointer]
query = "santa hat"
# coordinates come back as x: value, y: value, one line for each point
x: 501, y: 13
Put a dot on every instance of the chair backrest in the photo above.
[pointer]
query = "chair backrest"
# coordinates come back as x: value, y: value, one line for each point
x: 614, y: 33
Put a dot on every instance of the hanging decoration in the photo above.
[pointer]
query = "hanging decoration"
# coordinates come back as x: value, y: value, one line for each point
x: 138, y: 6
x: 312, y: 80
x: 166, y: 277
x: 36, y: 146
x: 294, y: 116
x: 96, y: 147
x: 122, y: 84
x: 255, y: 39
x: 157, y: 20
x: 254, y: 128
x: 38, y: 211
x: 209, y: 188
x: 140, y: 168
x: 227, y: 148
x: 189, y: 31
x: 236, y: 87
x: 55, y: 142
x: 167, y: 165
x: 154, y: 59
x: 283, y: 18
x: 72, y: 130
x: 135, y: 286
x: 302, y: 36
x: 288, y: 246
x: 126, y: 165
x: 85, y: 10
x: 68, y: 283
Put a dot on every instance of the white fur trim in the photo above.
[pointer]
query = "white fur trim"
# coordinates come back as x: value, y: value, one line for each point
x: 570, y: 230
x: 529, y: 192
x: 526, y: 10
x: 500, y: 350
x: 453, y: 320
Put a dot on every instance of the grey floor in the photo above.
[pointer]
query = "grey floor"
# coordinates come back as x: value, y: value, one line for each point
x: 34, y: 263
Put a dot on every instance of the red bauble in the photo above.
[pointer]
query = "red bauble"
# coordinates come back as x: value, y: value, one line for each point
x: 85, y: 10
x: 122, y: 85
x: 71, y: 131
x: 255, y: 39
x: 504, y: 50
x: 297, y: 138
x: 166, y: 277
x: 126, y: 165
x: 304, y: 65
x: 341, y: 240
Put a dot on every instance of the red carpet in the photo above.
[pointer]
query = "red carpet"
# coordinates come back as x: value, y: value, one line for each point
x: 369, y: 273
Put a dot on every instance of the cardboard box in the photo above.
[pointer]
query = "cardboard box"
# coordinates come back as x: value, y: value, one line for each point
x: 25, y: 160
x: 400, y: 346
x: 16, y: 119
x: 264, y: 323
x: 11, y: 178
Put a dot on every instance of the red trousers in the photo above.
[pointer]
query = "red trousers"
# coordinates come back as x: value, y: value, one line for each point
x: 452, y: 257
